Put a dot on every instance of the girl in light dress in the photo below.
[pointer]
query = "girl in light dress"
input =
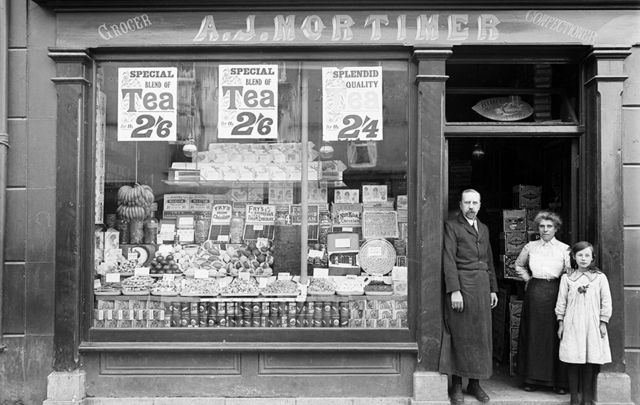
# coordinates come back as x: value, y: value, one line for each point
x: 583, y: 309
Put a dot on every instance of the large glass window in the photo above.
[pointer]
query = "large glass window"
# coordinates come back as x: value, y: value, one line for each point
x: 251, y: 194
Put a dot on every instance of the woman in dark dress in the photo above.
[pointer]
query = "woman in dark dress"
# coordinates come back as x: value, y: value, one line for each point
x: 540, y: 264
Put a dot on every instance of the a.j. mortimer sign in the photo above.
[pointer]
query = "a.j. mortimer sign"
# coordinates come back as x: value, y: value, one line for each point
x: 380, y: 27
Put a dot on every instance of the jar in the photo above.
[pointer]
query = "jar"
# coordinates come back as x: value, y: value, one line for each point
x: 136, y: 231
x: 150, y: 227
x: 236, y: 229
x: 122, y: 225
x: 200, y: 233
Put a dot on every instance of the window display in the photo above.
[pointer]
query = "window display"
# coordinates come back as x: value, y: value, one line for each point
x: 251, y: 194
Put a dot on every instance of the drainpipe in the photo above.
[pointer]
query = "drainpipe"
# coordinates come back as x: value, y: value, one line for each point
x: 4, y: 139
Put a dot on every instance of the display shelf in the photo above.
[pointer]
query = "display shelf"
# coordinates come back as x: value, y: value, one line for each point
x: 241, y: 183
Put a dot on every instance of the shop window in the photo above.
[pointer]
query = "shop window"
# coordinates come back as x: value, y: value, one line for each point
x: 512, y: 93
x: 209, y: 173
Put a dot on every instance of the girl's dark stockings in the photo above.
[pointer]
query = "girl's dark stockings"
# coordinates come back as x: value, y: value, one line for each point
x: 581, y: 376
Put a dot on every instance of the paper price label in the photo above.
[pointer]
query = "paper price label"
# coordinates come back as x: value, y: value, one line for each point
x: 97, y: 284
x: 141, y: 271
x: 169, y: 277
x: 264, y: 281
x: 284, y: 276
x: 201, y: 273
x: 320, y: 272
x: 248, y: 106
x: 112, y: 278
x: 244, y: 275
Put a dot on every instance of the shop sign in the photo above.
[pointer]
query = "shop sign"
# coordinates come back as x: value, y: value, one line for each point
x: 511, y: 108
x: 248, y: 107
x: 147, y: 104
x: 382, y: 27
x: 352, y: 103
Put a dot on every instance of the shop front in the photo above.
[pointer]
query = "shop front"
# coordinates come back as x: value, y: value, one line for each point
x: 250, y: 202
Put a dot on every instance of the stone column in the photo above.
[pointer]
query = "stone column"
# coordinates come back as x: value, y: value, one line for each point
x: 74, y: 234
x: 427, y: 201
x: 603, y: 212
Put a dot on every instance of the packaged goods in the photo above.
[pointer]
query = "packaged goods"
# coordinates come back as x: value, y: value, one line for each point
x: 514, y: 220
x: 525, y: 196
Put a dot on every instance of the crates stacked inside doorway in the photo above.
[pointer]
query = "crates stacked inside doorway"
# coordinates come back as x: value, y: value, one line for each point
x: 519, y: 229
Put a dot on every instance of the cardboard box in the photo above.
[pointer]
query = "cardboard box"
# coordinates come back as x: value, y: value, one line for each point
x: 531, y: 215
x: 525, y: 196
x: 512, y: 242
x: 514, y: 220
x: 509, y: 266
x: 343, y: 248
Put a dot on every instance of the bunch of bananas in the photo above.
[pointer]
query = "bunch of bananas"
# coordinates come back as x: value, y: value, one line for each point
x: 134, y: 203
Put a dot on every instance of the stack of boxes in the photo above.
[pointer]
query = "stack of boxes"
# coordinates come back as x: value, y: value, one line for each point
x: 515, y: 311
x: 378, y: 312
x: 519, y: 229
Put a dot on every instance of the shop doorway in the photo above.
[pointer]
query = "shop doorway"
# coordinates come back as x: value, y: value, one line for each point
x: 494, y: 166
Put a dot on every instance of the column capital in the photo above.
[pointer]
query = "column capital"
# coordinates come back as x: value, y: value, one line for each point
x: 610, y: 52
x: 607, y: 65
x: 439, y: 53
x: 74, y: 66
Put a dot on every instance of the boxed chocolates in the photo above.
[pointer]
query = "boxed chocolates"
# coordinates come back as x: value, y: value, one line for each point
x: 525, y: 196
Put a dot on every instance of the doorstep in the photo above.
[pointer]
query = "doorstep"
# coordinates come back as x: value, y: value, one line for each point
x: 247, y: 401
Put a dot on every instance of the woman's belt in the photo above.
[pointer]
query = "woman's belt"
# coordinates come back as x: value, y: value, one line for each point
x: 546, y: 278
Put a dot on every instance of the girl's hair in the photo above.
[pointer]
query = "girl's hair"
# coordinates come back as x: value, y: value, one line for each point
x: 549, y: 216
x: 582, y: 245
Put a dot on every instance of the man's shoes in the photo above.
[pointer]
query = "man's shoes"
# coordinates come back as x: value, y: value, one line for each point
x: 478, y: 392
x: 530, y: 388
x: 559, y: 390
x: 457, y: 397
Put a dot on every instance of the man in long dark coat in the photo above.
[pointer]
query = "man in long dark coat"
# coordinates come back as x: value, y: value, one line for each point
x: 471, y: 287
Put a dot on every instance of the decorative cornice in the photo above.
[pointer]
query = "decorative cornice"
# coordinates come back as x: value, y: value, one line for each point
x: 231, y: 5
x: 70, y: 56
x: 610, y: 52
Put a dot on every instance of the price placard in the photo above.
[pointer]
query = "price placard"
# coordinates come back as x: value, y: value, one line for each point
x: 112, y: 278
x: 141, y: 271
x: 147, y: 104
x: 248, y: 107
x: 201, y: 273
x: 352, y: 103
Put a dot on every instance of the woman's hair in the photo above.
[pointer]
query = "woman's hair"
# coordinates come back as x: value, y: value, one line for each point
x: 548, y: 216
x: 577, y: 247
